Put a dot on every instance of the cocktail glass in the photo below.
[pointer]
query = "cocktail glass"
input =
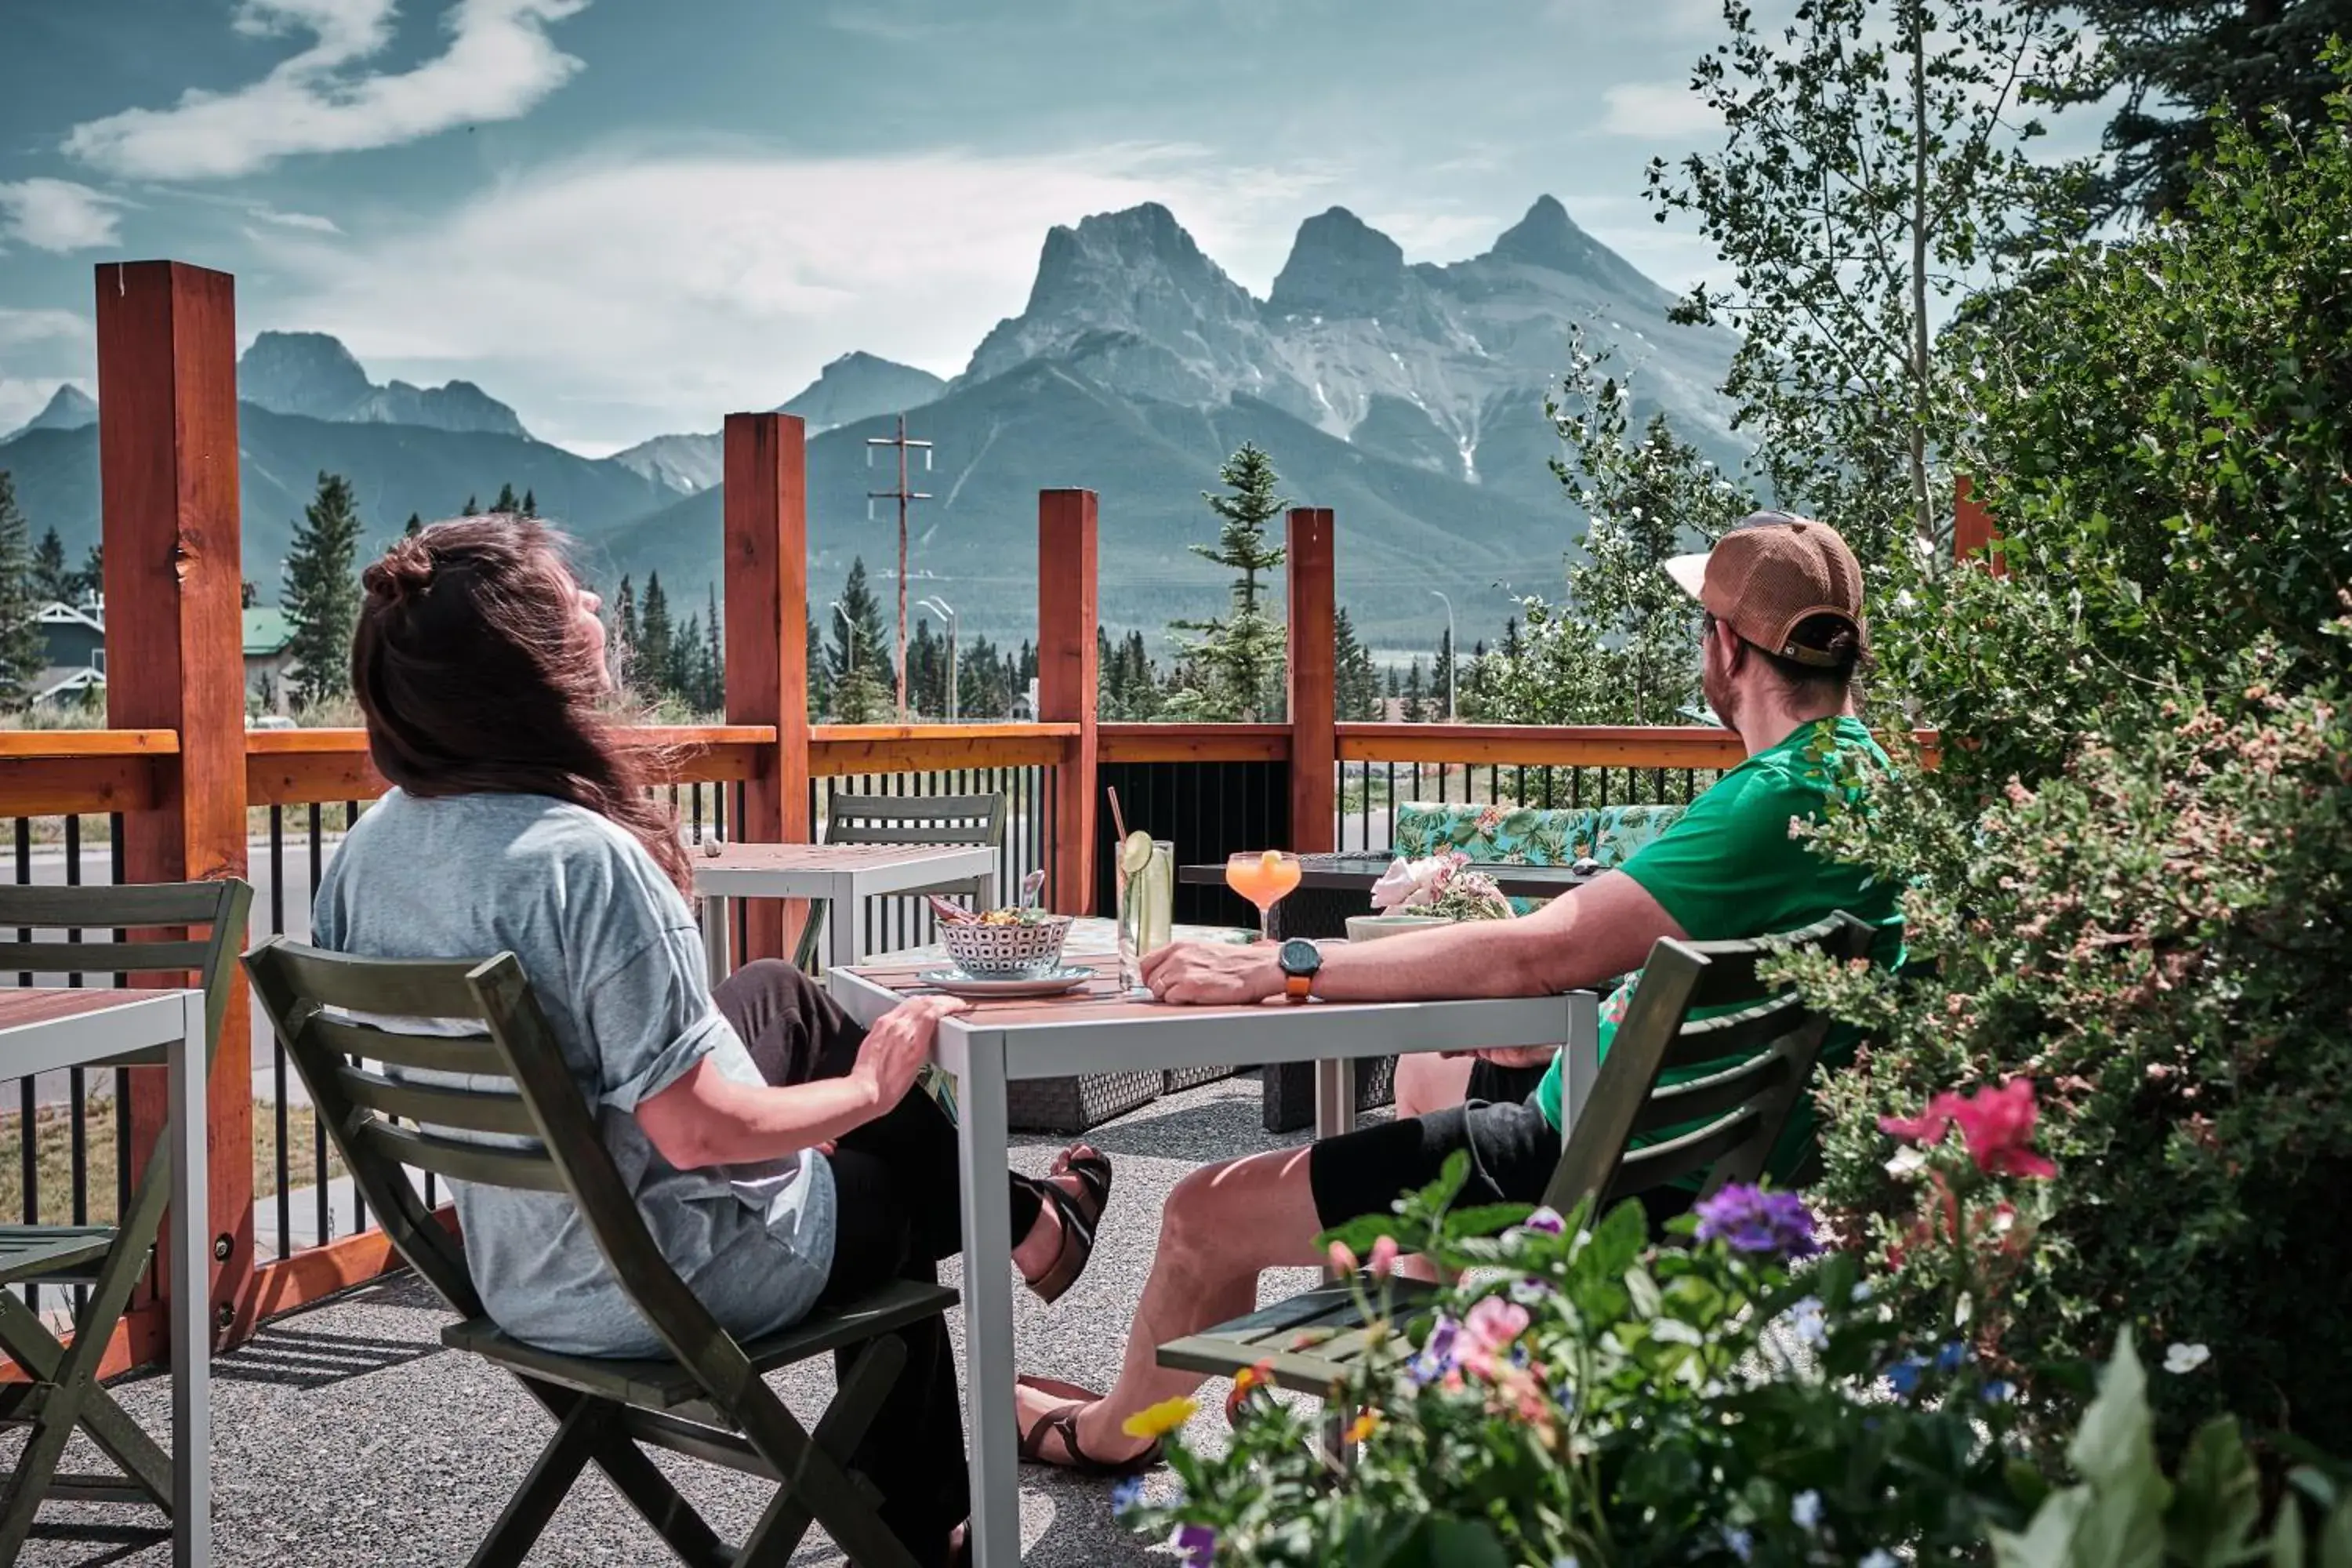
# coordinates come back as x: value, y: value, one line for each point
x: 1264, y: 878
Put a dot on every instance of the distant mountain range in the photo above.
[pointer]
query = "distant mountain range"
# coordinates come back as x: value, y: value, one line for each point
x: 69, y: 408
x: 1408, y: 397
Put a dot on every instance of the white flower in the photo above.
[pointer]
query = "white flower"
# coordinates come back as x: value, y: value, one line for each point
x: 2180, y: 1359
x: 1805, y: 1511
x: 1566, y: 1563
x: 1906, y: 1161
x: 1861, y: 1293
x: 1805, y: 1320
x: 1879, y: 1558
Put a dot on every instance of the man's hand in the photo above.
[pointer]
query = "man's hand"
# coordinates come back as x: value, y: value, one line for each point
x: 897, y: 1045
x: 1213, y: 974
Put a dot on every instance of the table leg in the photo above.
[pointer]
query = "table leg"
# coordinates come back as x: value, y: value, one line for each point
x: 714, y: 937
x: 982, y: 1138
x: 847, y: 907
x: 1335, y: 1097
x: 191, y: 1251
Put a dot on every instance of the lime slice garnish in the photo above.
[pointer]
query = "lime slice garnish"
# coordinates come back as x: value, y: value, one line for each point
x: 1134, y: 853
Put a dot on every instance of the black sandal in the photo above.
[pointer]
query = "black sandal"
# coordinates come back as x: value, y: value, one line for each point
x: 1079, y: 1216
x: 1062, y: 1422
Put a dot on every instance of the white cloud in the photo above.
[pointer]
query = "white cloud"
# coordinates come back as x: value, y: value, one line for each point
x: 658, y: 293
x: 309, y: 222
x: 19, y: 328
x: 499, y: 64
x: 49, y: 338
x: 57, y: 215
x: 1655, y: 109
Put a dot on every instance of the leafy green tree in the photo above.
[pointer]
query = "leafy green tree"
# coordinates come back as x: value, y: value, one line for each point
x: 2127, y: 875
x: 22, y: 654
x: 1878, y: 162
x: 322, y: 591
x: 657, y: 644
x: 2170, y: 67
x: 53, y: 581
x: 1239, y: 656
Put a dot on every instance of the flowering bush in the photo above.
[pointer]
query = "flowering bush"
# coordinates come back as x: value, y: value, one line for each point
x: 1584, y: 1397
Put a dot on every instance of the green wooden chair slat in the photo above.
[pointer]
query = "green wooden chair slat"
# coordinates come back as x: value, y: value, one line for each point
x: 107, y: 1261
x: 707, y: 1401
x: 904, y: 819
x: 433, y: 1105
x: 1741, y: 1111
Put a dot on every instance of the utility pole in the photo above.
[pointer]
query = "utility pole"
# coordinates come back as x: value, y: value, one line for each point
x: 955, y: 674
x: 902, y: 495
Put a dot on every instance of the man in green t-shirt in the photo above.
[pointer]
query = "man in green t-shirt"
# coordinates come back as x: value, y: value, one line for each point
x: 1783, y: 636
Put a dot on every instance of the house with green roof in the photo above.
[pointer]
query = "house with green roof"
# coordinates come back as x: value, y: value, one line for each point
x: 268, y: 669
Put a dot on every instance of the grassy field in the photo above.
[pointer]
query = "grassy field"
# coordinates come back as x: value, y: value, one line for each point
x: 53, y: 1159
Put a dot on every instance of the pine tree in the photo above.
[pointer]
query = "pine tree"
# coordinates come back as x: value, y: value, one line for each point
x: 714, y: 668
x: 473, y: 508
x: 1441, y: 678
x: 508, y: 503
x: 90, y: 581
x: 530, y: 503
x: 53, y: 581
x: 22, y: 653
x: 1416, y: 706
x: 620, y: 639
x: 820, y: 684
x: 414, y: 526
x: 927, y: 678
x: 1389, y: 687
x: 657, y: 644
x: 1356, y: 684
x: 1239, y: 656
x: 871, y: 645
x: 322, y: 591
x: 686, y: 653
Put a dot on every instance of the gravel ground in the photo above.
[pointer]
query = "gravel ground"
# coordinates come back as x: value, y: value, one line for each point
x: 345, y: 1434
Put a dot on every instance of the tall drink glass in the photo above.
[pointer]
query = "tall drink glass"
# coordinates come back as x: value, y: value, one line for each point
x: 1264, y: 878
x: 1147, y: 904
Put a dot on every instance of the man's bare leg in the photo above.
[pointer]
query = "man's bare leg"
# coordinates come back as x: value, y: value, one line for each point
x: 1426, y: 1082
x: 1222, y: 1227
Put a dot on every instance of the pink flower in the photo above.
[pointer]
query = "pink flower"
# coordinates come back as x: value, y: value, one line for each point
x: 1343, y: 1261
x: 1998, y: 1126
x: 1384, y: 1257
x: 1926, y: 1128
x: 1488, y: 1331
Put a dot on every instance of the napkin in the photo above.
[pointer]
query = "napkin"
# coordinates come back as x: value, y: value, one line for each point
x: 1413, y: 884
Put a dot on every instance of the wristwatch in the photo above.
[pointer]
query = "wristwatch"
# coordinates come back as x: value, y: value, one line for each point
x: 1299, y: 960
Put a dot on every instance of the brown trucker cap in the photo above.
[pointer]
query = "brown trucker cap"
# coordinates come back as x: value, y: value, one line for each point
x: 1770, y: 574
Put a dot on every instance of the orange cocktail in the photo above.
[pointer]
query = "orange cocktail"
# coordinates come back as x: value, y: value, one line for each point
x: 1264, y: 879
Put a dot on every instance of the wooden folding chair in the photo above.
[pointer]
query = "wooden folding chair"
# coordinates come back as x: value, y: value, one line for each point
x: 905, y: 819
x: 532, y: 1131
x: 1761, y: 1044
x: 105, y: 1261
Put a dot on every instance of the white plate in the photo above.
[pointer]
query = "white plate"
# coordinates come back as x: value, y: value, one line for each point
x: 956, y: 982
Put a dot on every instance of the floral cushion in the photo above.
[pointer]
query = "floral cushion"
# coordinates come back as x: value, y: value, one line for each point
x: 1530, y: 835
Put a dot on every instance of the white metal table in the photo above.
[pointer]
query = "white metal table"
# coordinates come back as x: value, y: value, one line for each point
x: 1098, y: 1029
x: 45, y: 1029
x: 841, y: 875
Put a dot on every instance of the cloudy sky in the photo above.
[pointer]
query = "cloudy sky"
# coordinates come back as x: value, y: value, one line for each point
x: 630, y: 217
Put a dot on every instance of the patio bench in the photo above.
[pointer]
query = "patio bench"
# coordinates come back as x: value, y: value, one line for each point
x: 499, y: 1108
x: 1723, y: 1126
x: 62, y: 1392
x: 1494, y: 835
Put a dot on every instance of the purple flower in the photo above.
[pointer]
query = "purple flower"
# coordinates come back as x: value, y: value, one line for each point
x: 1197, y: 1542
x: 1548, y: 1221
x: 1750, y: 1219
x: 1437, y: 1356
x: 1904, y: 1375
x: 1126, y: 1495
x: 1951, y: 1356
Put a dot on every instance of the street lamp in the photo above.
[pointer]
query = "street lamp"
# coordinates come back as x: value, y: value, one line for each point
x: 848, y: 639
x: 1453, y: 653
x: 955, y: 708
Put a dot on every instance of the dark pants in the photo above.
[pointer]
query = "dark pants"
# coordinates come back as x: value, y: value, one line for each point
x: 900, y: 1211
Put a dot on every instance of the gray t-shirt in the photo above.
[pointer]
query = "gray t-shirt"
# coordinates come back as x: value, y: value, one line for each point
x: 618, y: 966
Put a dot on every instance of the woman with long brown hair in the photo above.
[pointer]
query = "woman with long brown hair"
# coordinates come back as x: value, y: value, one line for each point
x: 772, y: 1146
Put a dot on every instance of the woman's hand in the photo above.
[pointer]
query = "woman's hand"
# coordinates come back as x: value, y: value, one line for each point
x: 1213, y: 974
x: 897, y: 1045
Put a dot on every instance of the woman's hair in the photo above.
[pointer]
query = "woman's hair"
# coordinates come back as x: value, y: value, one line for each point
x: 468, y: 667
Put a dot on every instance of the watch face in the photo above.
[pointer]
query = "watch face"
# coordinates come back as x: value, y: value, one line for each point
x: 1299, y: 956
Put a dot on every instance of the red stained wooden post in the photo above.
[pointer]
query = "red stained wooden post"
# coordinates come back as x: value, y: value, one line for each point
x: 1314, y: 676
x: 1066, y: 677
x: 765, y: 560
x: 1972, y: 529
x: 176, y: 660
